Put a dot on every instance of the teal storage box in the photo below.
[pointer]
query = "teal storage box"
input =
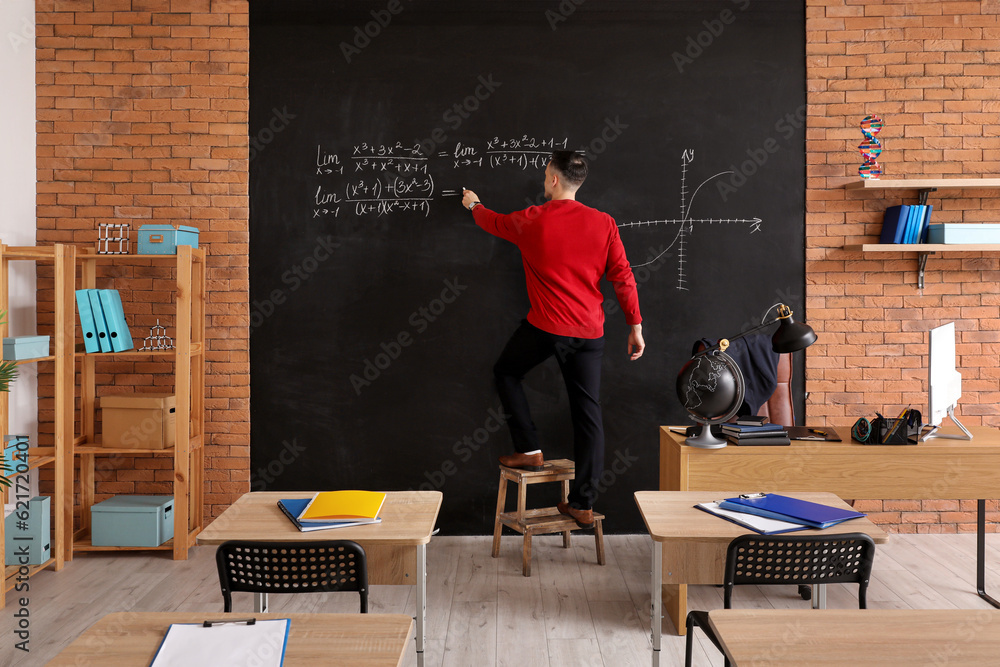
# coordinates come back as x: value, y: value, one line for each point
x: 27, y: 537
x: 953, y: 232
x: 132, y: 521
x: 25, y: 347
x: 15, y: 450
x: 164, y: 239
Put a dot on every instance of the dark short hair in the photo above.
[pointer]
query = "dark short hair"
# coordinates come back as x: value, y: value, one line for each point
x: 571, y: 165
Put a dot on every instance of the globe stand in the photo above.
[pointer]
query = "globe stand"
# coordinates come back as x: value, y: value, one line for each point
x: 704, y: 439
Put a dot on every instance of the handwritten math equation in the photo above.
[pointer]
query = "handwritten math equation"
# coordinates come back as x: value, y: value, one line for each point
x: 379, y: 179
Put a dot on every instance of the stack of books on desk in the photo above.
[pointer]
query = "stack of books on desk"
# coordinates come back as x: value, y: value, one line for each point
x: 762, y: 434
x: 333, y: 509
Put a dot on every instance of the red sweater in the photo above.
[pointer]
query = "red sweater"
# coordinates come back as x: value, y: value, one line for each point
x: 567, y: 247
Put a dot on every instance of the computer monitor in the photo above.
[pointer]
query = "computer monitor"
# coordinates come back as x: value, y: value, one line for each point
x: 944, y: 383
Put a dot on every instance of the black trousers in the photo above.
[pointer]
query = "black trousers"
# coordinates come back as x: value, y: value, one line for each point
x: 580, y: 362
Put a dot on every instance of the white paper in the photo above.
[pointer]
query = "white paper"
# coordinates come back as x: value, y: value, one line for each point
x: 752, y: 521
x: 231, y: 645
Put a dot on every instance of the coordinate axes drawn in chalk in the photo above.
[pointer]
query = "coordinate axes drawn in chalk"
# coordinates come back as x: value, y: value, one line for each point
x: 686, y: 222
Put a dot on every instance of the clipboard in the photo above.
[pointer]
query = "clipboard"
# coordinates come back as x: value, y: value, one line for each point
x: 224, y: 643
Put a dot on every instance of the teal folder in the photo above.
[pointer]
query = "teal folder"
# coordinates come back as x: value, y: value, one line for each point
x: 783, y: 508
x: 87, y: 323
x: 100, y: 324
x: 114, y: 316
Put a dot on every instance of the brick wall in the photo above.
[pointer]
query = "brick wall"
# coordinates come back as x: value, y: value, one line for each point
x: 931, y: 70
x: 142, y: 112
x: 142, y: 118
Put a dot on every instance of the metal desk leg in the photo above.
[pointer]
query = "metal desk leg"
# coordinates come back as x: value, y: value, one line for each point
x: 656, y: 615
x: 260, y: 603
x: 421, y: 600
x: 981, y: 554
x: 819, y: 596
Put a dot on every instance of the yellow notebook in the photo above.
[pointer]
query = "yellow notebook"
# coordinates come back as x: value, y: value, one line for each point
x: 330, y: 506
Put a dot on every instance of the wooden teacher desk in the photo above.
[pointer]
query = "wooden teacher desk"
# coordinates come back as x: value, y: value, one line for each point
x: 836, y: 637
x: 396, y: 548
x: 935, y: 469
x: 131, y: 639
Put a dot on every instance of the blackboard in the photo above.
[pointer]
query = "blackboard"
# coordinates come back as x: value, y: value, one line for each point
x: 377, y: 306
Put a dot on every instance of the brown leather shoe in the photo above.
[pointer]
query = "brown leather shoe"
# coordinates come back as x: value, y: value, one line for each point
x: 583, y: 518
x: 532, y: 462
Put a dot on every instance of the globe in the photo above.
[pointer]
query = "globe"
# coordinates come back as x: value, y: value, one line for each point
x: 711, y: 389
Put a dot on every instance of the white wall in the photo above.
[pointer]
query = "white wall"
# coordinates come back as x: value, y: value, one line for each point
x: 17, y: 189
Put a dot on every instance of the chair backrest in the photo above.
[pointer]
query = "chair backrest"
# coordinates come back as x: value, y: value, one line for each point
x: 780, y: 407
x: 292, y: 567
x: 777, y: 559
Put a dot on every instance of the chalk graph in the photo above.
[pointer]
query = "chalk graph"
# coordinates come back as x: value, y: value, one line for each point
x: 686, y: 223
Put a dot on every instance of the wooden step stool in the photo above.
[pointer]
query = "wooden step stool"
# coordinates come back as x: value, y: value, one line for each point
x: 539, y: 521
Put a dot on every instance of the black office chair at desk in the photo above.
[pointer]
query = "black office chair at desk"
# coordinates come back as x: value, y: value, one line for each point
x: 292, y: 567
x: 779, y: 560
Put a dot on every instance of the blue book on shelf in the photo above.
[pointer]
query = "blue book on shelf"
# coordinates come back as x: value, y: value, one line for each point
x: 918, y: 224
x: 925, y: 223
x: 910, y: 221
x: 87, y: 323
x: 893, y: 224
x: 783, y: 508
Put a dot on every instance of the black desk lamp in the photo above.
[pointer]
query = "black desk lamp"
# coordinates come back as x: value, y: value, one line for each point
x: 711, y: 385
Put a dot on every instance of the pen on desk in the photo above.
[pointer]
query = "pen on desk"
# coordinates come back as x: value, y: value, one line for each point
x: 818, y: 432
x: 248, y: 621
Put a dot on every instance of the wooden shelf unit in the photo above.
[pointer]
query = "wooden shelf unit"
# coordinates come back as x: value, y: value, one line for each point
x: 63, y: 260
x: 924, y: 187
x: 189, y: 390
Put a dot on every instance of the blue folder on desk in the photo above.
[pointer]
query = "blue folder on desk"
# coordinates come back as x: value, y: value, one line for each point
x: 783, y: 508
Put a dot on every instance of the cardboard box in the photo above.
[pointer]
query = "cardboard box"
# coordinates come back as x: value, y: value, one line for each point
x: 138, y: 421
x: 164, y: 239
x: 132, y: 521
x: 25, y: 347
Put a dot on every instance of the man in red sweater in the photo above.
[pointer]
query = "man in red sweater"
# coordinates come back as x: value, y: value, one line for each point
x: 566, y: 248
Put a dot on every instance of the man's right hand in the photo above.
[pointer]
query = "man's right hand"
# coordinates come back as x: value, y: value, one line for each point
x: 468, y: 196
x: 636, y: 345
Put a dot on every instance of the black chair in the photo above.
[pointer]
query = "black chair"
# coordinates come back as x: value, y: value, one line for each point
x: 771, y: 560
x: 292, y: 567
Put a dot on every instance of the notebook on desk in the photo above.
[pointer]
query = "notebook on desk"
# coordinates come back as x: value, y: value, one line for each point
x: 827, y: 433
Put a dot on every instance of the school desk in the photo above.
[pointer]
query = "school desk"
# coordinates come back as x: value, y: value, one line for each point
x: 689, y: 545
x: 131, y: 639
x: 871, y: 637
x: 396, y: 548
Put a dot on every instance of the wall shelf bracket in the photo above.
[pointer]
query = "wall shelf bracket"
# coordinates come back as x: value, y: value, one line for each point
x: 921, y: 265
x: 922, y: 195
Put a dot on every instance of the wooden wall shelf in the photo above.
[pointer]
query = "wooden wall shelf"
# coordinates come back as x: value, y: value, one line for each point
x: 922, y: 183
x: 924, y: 186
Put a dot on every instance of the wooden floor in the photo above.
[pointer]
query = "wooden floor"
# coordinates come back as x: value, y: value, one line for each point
x: 481, y: 611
